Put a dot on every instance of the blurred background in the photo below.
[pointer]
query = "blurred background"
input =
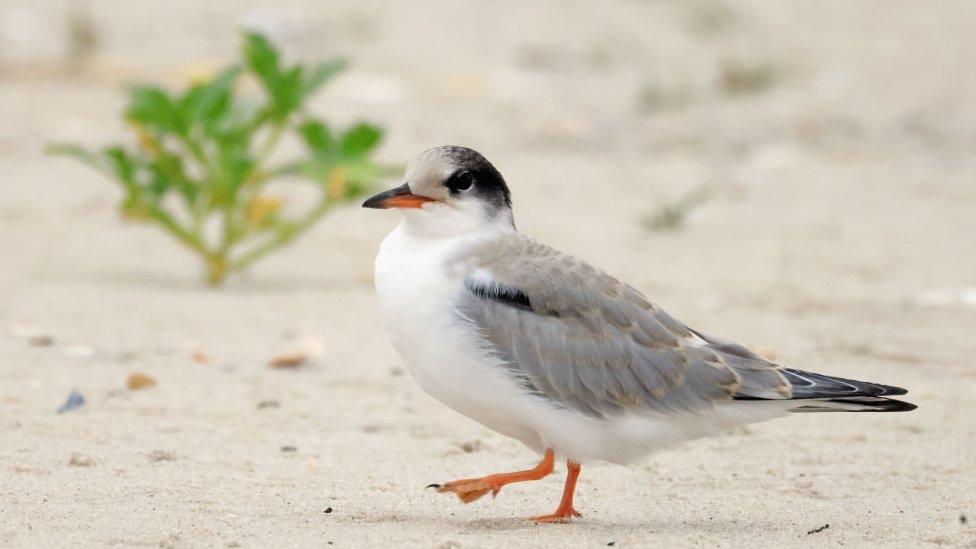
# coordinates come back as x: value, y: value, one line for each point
x: 797, y: 176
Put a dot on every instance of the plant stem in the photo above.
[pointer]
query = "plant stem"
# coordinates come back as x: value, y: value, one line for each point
x: 269, y: 145
x: 285, y: 234
x: 216, y: 262
x: 195, y: 150
x: 216, y: 268
x: 232, y: 232
x: 177, y: 230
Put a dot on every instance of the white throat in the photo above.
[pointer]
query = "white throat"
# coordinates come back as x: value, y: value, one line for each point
x: 442, y: 221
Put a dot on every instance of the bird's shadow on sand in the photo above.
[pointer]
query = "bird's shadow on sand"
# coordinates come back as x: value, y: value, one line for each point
x: 512, y: 524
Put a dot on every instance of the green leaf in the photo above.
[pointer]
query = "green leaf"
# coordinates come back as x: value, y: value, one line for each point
x: 234, y: 165
x: 159, y: 181
x: 166, y: 172
x: 322, y: 73
x: 207, y: 104
x: 287, y: 88
x: 284, y: 87
x: 360, y: 139
x: 262, y: 58
x: 152, y: 107
x: 133, y: 207
x: 287, y: 93
x: 123, y: 165
x: 317, y: 136
x: 81, y: 154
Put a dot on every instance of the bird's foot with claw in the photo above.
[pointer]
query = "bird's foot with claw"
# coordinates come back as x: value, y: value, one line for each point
x: 468, y: 490
x: 561, y: 516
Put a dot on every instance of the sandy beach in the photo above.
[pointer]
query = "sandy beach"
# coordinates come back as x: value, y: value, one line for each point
x: 835, y: 141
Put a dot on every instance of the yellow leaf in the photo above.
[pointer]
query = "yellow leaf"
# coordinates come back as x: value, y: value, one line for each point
x: 147, y: 142
x: 198, y: 72
x: 261, y: 209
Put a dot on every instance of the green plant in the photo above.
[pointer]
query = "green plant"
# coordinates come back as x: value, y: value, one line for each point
x: 205, y: 157
x: 747, y: 79
x: 671, y: 216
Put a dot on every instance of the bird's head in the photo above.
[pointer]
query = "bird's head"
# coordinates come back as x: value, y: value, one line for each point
x: 450, y: 190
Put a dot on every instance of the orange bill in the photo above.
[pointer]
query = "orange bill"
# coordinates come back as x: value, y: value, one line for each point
x: 400, y: 197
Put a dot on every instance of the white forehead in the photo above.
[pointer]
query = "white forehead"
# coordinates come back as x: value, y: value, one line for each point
x: 431, y: 166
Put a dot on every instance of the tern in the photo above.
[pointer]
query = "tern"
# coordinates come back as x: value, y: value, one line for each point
x: 541, y: 347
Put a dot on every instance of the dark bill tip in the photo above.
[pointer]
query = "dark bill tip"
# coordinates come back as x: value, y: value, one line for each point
x: 379, y: 200
x: 400, y: 197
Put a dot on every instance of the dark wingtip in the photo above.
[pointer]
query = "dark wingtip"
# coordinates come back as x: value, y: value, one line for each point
x: 811, y: 385
x: 894, y: 391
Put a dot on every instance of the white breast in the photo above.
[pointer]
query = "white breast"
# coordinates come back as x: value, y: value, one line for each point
x: 416, y: 295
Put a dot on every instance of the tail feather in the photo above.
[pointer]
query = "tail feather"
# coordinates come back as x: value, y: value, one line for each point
x: 855, y: 404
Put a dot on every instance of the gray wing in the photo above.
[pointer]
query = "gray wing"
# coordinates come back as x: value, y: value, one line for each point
x: 584, y: 340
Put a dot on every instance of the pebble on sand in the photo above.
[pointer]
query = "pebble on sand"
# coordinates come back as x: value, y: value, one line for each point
x: 298, y: 351
x: 139, y: 380
x: 80, y: 460
x: 74, y: 400
x: 157, y: 456
x: 41, y: 340
x: 290, y: 360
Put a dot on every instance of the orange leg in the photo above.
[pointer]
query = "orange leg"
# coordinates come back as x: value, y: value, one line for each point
x: 565, y: 511
x: 473, y: 488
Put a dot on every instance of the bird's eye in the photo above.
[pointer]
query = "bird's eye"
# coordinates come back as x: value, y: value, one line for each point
x: 460, y: 181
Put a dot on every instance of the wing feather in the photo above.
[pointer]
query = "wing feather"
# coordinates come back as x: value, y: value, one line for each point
x: 588, y: 342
